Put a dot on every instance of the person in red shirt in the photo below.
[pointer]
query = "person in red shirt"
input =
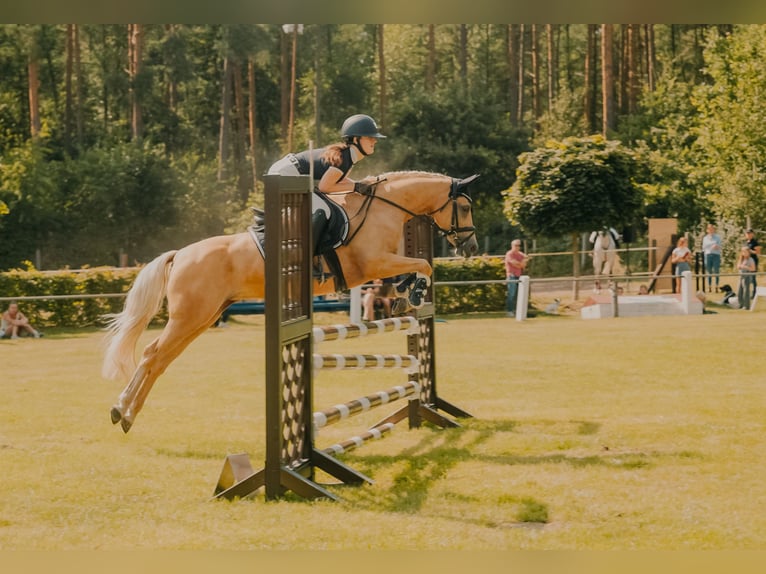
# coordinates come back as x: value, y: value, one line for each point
x: 515, y: 263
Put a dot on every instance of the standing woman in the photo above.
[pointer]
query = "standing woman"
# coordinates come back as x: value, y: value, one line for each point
x: 332, y: 164
x: 755, y: 250
x: 711, y: 247
x: 681, y: 258
x: 746, y: 268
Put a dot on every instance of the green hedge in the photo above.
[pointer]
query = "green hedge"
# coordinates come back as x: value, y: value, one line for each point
x: 87, y: 312
x: 67, y: 312
x: 470, y: 298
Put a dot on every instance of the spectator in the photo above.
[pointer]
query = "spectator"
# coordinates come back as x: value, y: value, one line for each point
x: 14, y: 323
x: 746, y: 268
x: 515, y: 263
x: 755, y: 250
x: 376, y: 298
x: 711, y: 248
x: 681, y: 257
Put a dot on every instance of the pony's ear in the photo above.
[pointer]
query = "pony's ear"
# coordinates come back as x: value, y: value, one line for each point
x: 468, y: 180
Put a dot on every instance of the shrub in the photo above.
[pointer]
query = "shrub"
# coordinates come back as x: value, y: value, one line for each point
x: 71, y: 311
x: 470, y: 298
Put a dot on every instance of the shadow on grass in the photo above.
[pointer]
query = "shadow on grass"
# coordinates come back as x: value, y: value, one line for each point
x: 437, y: 452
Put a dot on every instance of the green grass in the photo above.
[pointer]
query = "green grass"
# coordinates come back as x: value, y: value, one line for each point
x: 628, y: 433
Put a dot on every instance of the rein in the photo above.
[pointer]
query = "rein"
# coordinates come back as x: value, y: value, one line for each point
x: 453, y: 196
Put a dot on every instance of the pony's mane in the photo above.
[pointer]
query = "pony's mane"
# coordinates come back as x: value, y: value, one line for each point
x: 414, y: 173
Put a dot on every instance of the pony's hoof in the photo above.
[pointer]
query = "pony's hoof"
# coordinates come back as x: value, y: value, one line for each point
x: 418, y: 292
x: 126, y: 424
x: 116, y: 415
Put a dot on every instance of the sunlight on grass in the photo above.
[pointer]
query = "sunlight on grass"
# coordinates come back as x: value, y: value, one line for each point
x: 627, y: 433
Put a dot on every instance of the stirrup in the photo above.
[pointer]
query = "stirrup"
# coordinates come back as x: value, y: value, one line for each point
x: 317, y: 268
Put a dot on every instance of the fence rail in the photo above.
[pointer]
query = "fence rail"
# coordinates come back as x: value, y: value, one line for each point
x: 533, y: 281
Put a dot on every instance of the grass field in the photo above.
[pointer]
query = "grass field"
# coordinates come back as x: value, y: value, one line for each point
x: 619, y: 434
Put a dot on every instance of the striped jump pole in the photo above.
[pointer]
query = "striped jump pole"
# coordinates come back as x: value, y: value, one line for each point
x: 355, y: 330
x: 358, y: 440
x: 351, y: 408
x: 339, y: 362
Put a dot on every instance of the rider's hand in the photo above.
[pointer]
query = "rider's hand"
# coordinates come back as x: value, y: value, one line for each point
x: 363, y: 188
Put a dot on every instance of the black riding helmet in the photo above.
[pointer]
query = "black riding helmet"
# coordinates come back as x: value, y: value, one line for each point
x: 359, y: 125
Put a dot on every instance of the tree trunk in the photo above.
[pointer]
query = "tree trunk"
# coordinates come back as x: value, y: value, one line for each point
x: 568, y: 59
x: 293, y: 57
x: 135, y: 56
x: 463, y: 58
x: 68, y: 90
x: 431, y: 59
x: 622, y: 71
x: 223, y: 137
x: 551, y: 68
x: 522, y: 49
x: 512, y: 47
x: 607, y: 81
x: 589, y: 105
x: 240, y: 135
x: 79, y: 83
x: 318, y: 59
x: 33, y: 72
x: 382, y: 76
x: 634, y: 72
x: 171, y: 91
x: 251, y: 120
x: 104, y: 85
x: 284, y: 84
x: 536, y: 91
x: 650, y: 56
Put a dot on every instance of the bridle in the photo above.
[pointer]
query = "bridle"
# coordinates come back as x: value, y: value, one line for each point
x: 455, y: 228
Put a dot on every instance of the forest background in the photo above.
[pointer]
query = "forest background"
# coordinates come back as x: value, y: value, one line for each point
x: 120, y: 141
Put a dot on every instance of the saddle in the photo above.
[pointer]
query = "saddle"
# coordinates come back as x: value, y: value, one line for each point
x: 326, y: 265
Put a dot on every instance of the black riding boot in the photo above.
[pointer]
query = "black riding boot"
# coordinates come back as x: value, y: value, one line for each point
x: 318, y: 224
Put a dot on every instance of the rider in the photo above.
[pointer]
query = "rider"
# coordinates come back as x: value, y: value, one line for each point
x: 333, y: 163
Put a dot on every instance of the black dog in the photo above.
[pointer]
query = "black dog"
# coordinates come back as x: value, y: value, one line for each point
x: 728, y: 295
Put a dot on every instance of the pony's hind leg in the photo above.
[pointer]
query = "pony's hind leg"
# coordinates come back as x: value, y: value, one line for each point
x: 158, y: 355
x: 123, y: 411
x: 119, y: 409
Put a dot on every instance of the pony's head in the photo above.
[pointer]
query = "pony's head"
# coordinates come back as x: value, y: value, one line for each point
x: 454, y: 219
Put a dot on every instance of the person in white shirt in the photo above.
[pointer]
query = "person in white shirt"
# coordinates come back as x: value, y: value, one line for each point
x: 711, y: 248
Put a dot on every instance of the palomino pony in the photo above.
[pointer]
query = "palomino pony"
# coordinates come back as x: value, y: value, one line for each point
x: 202, y: 279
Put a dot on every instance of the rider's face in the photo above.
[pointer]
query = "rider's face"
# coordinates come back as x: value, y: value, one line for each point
x: 368, y: 144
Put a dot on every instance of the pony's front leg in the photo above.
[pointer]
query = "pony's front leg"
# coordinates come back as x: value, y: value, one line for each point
x: 410, y: 292
x: 413, y: 288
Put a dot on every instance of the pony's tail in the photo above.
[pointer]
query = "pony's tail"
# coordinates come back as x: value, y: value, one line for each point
x: 141, y: 304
